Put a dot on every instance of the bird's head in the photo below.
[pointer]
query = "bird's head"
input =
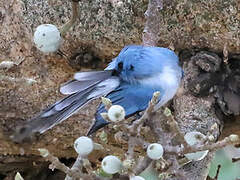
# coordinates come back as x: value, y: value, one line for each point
x: 135, y: 62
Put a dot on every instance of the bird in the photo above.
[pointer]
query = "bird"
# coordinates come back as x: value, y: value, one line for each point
x: 129, y: 81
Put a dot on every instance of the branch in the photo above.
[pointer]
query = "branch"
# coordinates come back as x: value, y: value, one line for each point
x: 147, y: 114
x: 230, y: 140
x: 77, y: 168
x: 174, y: 127
x: 150, y: 33
x: 142, y: 164
x: 74, y: 173
x: 70, y: 23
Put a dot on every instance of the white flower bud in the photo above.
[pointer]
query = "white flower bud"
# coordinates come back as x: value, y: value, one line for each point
x: 211, y: 138
x: 155, y: 151
x: 136, y: 178
x: 104, y: 115
x: 234, y: 137
x: 193, y: 138
x: 128, y: 163
x: 18, y: 176
x: 83, y: 146
x: 43, y: 152
x: 167, y: 112
x: 116, y: 113
x: 111, y: 164
x: 214, y: 126
x: 47, y: 38
x: 107, y: 102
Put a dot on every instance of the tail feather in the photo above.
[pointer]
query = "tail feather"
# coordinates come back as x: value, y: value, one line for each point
x: 52, y: 116
x: 74, y: 86
x: 92, y: 75
x: 77, y: 97
x: 64, y: 108
x: 84, y: 80
x: 59, y: 116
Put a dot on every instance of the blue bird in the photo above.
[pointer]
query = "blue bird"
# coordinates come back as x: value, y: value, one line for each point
x: 129, y: 80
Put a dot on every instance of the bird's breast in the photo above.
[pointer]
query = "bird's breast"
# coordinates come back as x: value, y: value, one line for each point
x: 167, y: 82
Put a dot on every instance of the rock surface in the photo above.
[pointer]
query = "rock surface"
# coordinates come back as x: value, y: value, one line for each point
x: 102, y: 29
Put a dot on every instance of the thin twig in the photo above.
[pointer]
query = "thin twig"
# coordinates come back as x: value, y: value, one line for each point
x: 218, y: 145
x: 56, y: 164
x: 151, y: 30
x: 235, y: 160
x: 174, y: 127
x: 147, y: 114
x: 76, y: 168
x: 70, y: 23
x: 132, y: 142
x: 230, y: 140
x: 142, y: 164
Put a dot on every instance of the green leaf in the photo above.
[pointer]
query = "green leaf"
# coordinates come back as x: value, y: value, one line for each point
x: 229, y: 170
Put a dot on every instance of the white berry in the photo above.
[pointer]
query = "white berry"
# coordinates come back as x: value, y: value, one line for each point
x: 155, y: 151
x: 193, y: 138
x: 111, y: 164
x: 136, y: 178
x: 47, y: 38
x: 116, y: 113
x: 83, y: 146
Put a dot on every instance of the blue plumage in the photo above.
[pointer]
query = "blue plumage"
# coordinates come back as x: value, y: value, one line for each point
x: 130, y: 81
x: 142, y: 71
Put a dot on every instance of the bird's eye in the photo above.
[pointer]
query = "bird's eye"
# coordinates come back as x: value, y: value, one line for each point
x: 131, y: 67
x: 120, y: 66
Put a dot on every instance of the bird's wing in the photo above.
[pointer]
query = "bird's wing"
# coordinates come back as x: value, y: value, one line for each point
x: 84, y: 80
x: 64, y: 108
x: 133, y: 98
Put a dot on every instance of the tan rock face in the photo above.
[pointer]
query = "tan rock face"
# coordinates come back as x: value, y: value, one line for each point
x: 103, y: 27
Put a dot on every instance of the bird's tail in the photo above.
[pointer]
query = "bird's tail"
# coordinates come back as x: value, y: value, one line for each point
x: 85, y: 87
